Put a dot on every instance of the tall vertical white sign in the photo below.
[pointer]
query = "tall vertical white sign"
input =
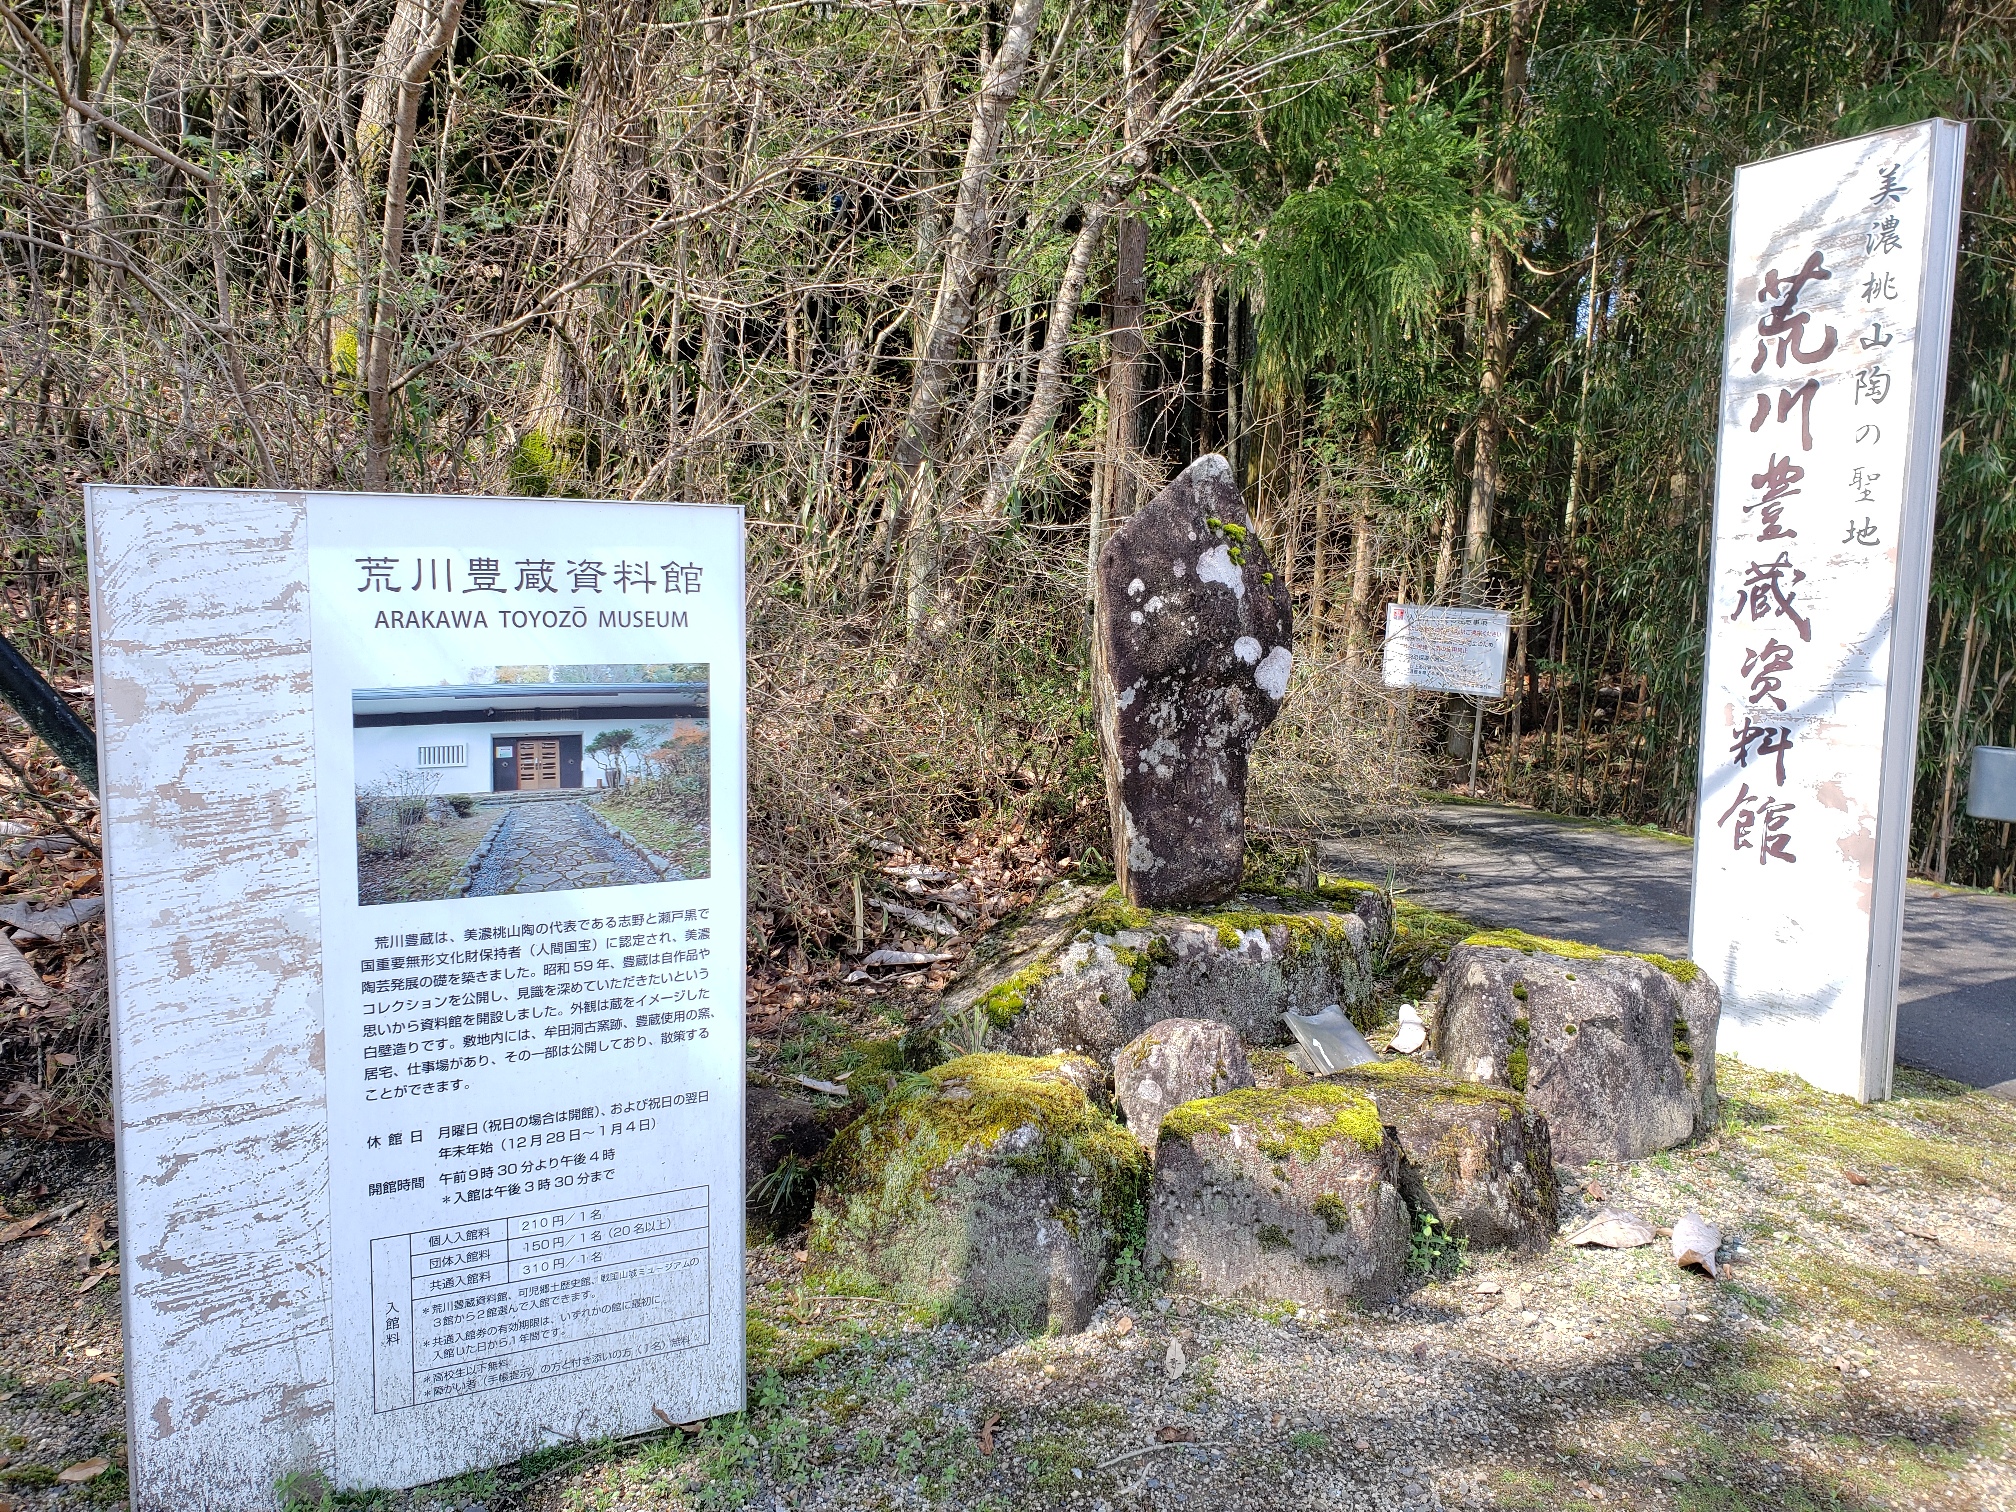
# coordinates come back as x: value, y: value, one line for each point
x: 424, y: 861
x: 1841, y: 263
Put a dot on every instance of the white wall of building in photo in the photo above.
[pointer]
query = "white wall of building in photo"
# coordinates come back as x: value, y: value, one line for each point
x: 516, y: 737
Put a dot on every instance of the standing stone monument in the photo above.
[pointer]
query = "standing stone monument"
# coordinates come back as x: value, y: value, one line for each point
x: 1191, y: 647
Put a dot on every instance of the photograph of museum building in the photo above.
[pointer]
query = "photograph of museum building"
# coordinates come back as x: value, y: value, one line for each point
x: 516, y: 737
x: 526, y: 782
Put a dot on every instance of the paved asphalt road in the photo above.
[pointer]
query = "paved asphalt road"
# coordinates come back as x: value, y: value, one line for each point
x: 1510, y: 868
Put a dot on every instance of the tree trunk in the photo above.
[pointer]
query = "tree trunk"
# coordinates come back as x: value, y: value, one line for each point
x: 366, y: 145
x: 1127, y: 351
x: 609, y: 50
x: 1046, y: 398
x: 398, y: 170
x: 1486, y: 472
x: 1207, y: 309
x: 966, y: 249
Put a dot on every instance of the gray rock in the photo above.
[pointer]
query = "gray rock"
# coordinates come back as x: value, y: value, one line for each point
x: 1172, y: 1062
x: 1245, y: 970
x: 1287, y: 1194
x: 990, y: 1187
x: 1475, y: 1156
x: 1616, y: 1052
x: 1192, y: 665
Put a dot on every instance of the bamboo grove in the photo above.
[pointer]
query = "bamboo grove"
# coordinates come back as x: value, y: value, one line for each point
x: 940, y: 291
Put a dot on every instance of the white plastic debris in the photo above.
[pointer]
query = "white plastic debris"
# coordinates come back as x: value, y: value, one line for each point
x: 1329, y: 1040
x: 1412, y: 1033
x: 904, y: 958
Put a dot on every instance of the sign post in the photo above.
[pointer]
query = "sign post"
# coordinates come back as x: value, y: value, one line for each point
x: 424, y: 868
x: 1446, y: 650
x: 1841, y: 263
x: 1449, y: 651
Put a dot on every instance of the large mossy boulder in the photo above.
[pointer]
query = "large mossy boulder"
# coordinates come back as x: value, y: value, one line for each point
x: 1094, y: 987
x: 1280, y: 1194
x: 1476, y: 1157
x: 1173, y: 1062
x: 993, y: 1187
x: 1616, y: 1051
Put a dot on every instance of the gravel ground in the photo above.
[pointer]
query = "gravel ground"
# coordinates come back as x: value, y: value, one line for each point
x: 1859, y: 1351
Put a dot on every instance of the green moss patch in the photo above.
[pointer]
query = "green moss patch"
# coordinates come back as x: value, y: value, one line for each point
x: 893, y: 1157
x: 1575, y: 950
x: 1411, y: 1079
x: 1004, y: 1004
x: 1144, y: 963
x: 1113, y: 913
x: 1295, y: 1121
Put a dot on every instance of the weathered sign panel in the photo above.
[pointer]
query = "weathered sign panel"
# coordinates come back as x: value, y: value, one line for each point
x: 424, y: 872
x: 1841, y: 264
x: 1446, y: 650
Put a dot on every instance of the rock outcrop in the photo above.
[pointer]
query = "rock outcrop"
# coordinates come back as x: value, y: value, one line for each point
x: 1616, y: 1051
x: 1173, y: 1062
x: 1192, y: 656
x: 1474, y: 1156
x: 991, y: 1187
x: 1280, y: 1194
x: 1093, y: 989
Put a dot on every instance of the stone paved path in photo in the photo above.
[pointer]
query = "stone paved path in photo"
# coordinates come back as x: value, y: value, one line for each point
x: 553, y: 847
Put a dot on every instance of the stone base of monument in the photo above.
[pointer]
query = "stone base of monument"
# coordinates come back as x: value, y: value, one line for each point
x: 994, y: 1187
x: 1092, y: 981
x: 1174, y: 1062
x: 1475, y: 1157
x: 1616, y: 1051
x: 1000, y: 1186
x: 1280, y: 1195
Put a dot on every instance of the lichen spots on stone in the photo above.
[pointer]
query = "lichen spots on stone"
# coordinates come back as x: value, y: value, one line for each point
x: 1272, y: 673
x: 1247, y: 649
x: 1215, y: 565
x: 1136, y: 588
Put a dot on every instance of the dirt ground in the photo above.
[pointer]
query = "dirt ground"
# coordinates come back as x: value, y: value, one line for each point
x: 1859, y: 1351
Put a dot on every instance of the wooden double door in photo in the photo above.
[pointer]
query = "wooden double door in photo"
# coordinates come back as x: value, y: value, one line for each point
x: 535, y: 763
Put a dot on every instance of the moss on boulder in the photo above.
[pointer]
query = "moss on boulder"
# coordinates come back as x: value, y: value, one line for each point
x: 1615, y: 1050
x: 1092, y: 983
x: 1474, y: 1156
x: 1286, y: 1193
x: 994, y: 1186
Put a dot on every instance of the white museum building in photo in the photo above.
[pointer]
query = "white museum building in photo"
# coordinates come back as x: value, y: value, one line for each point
x: 518, y: 737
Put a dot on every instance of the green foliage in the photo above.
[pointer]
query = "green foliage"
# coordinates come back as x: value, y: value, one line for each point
x: 1367, y: 256
x: 1432, y: 1250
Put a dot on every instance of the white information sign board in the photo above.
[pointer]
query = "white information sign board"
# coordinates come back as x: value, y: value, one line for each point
x: 1841, y: 264
x: 424, y: 868
x: 1446, y: 650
